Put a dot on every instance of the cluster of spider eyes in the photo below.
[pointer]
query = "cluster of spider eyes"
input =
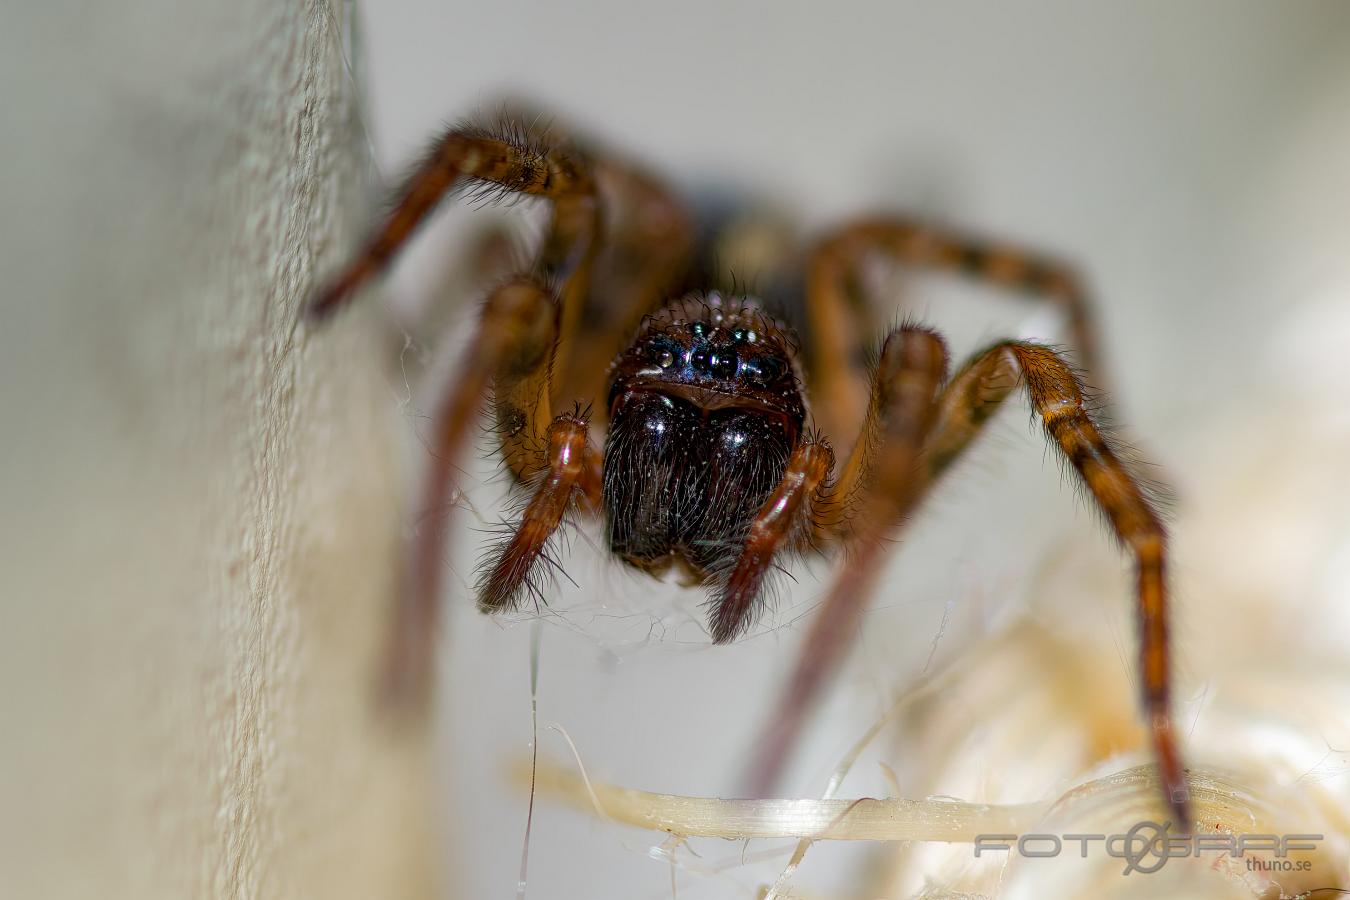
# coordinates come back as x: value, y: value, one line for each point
x: 718, y: 361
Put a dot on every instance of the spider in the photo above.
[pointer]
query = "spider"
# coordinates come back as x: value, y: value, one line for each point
x: 712, y: 462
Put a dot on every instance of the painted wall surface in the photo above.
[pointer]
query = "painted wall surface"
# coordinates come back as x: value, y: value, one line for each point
x: 198, y: 538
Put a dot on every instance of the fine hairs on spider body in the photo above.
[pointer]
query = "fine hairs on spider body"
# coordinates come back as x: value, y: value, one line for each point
x: 712, y: 461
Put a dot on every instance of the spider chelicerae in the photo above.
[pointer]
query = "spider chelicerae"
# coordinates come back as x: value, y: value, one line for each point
x: 713, y: 462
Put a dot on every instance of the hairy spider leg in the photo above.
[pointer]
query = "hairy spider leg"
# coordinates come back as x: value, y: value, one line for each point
x: 839, y: 317
x: 1057, y: 395
x: 645, y: 250
x: 962, y: 408
x: 784, y: 517
x: 524, y: 335
x: 514, y: 163
x: 523, y: 338
x: 901, y: 413
x: 879, y: 467
x: 511, y: 568
x: 511, y: 350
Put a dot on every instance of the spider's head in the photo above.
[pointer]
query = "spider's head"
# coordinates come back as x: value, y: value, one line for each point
x: 714, y: 353
x: 705, y: 408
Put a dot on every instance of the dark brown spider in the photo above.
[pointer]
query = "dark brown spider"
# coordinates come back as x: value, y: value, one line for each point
x: 712, y: 461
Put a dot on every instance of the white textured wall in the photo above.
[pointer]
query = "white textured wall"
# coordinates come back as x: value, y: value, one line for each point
x: 198, y: 501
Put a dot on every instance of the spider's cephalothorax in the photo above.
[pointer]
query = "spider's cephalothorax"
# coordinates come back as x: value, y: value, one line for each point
x: 711, y: 462
x: 705, y: 409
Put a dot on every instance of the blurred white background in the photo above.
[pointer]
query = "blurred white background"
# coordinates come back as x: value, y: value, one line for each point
x: 1192, y: 158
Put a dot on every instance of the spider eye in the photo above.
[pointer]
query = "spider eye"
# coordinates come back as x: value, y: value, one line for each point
x: 661, y: 353
x: 724, y: 363
x: 764, y: 369
x: 717, y: 362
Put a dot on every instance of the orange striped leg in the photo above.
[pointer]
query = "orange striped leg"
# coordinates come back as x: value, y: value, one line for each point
x: 875, y: 471
x: 784, y: 516
x: 513, y: 568
x: 1057, y: 396
x: 513, y: 164
x: 973, y: 395
x: 841, y: 320
x: 647, y: 241
x: 912, y: 367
